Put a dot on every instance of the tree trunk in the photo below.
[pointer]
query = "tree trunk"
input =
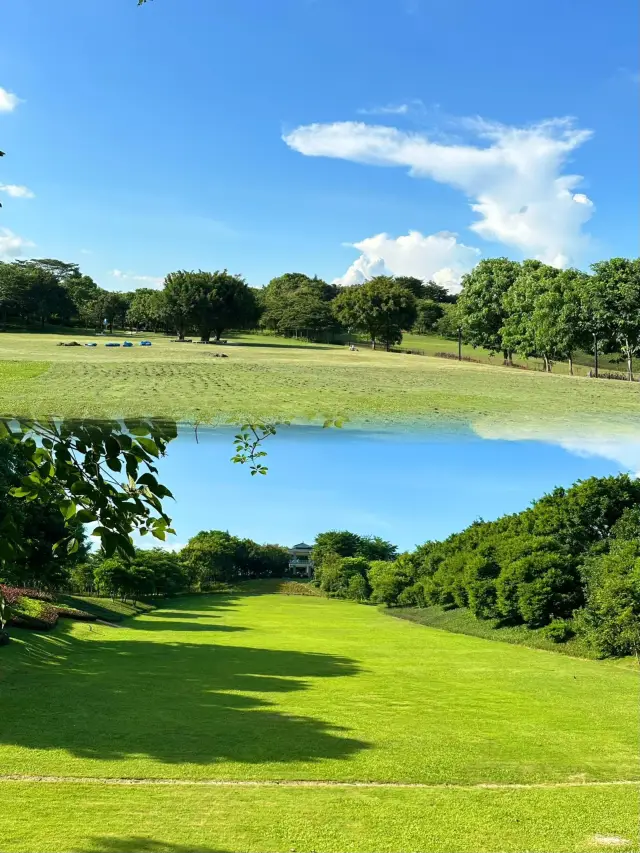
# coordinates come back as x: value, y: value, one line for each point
x: 205, y: 335
x: 629, y: 363
x: 570, y: 364
x: 546, y: 363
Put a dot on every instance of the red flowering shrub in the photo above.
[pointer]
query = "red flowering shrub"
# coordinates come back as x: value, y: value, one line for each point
x: 17, y: 592
x: 33, y: 614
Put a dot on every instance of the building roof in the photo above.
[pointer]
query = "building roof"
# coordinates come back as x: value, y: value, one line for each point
x: 302, y: 546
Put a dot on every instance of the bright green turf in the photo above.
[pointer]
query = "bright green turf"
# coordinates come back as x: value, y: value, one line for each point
x: 87, y: 817
x: 285, y: 381
x: 272, y: 687
x: 279, y: 687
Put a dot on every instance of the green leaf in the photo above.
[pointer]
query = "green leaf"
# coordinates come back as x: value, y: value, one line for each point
x: 68, y: 509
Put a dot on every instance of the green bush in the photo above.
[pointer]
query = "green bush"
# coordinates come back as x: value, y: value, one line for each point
x: 357, y: 588
x: 558, y: 631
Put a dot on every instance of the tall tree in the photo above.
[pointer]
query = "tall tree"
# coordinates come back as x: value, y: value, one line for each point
x: 380, y: 307
x: 147, y: 309
x: 613, y: 303
x: 481, y: 304
x: 224, y: 301
x: 545, y: 313
x: 294, y: 302
x: 181, y: 291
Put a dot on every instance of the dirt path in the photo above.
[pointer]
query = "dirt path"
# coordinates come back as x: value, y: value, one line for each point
x: 287, y: 783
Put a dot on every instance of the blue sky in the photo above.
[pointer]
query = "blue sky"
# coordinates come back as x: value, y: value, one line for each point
x: 405, y: 486
x: 264, y: 136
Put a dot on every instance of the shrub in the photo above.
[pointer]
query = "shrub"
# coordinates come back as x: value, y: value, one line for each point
x: 357, y: 588
x: 297, y: 588
x: 33, y: 614
x: 558, y: 631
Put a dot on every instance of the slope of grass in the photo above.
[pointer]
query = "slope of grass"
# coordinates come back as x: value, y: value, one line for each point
x: 108, y: 609
x: 270, y: 688
x: 462, y: 621
x: 277, y: 378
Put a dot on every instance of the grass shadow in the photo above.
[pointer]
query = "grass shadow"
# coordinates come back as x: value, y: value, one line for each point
x: 173, y: 702
x: 141, y: 844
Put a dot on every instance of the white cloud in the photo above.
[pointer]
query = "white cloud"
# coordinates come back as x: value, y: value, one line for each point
x: 152, y: 280
x: 512, y: 175
x: 11, y: 245
x: 8, y: 101
x: 16, y: 191
x: 617, y: 442
x: 436, y: 256
x: 401, y: 109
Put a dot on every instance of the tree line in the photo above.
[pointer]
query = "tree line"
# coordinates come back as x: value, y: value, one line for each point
x: 526, y: 308
x: 569, y: 564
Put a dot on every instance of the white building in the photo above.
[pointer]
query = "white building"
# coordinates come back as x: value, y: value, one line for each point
x: 300, y: 562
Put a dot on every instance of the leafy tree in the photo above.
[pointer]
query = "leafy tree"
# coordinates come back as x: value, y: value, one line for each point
x: 545, y: 314
x: 336, y: 573
x: 210, y: 557
x: 389, y: 579
x: 428, y: 315
x: 224, y: 301
x: 147, y: 309
x: 375, y: 548
x: 357, y: 588
x: 294, y: 302
x: 380, y: 307
x: 81, y: 290
x: 481, y: 303
x: 612, y: 301
x: 181, y: 292
x: 425, y: 289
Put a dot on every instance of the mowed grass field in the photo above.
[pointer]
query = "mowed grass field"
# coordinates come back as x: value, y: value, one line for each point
x: 279, y: 723
x: 270, y: 378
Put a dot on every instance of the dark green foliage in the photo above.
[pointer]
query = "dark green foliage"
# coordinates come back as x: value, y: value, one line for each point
x: 388, y: 580
x: 343, y: 543
x: 428, y: 315
x: 216, y: 556
x: 381, y: 308
x: 481, y: 303
x: 335, y: 574
x: 293, y: 303
x: 571, y: 562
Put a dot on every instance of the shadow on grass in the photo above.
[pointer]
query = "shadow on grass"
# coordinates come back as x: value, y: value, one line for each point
x: 266, y: 343
x: 173, y: 702
x: 140, y: 844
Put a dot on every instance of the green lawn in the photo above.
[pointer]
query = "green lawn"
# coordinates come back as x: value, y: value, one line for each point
x: 267, y: 377
x: 272, y: 688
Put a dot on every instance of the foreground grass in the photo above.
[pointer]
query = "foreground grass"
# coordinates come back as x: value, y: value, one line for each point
x: 91, y: 817
x: 277, y: 378
x: 291, y: 687
x: 270, y: 688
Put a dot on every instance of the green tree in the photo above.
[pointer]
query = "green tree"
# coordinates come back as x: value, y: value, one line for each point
x: 429, y: 313
x: 212, y: 556
x: 380, y: 307
x: 481, y: 303
x: 545, y: 313
x: 612, y: 301
x: 181, y: 293
x: 295, y: 303
x: 224, y: 301
x: 389, y: 579
x: 147, y: 309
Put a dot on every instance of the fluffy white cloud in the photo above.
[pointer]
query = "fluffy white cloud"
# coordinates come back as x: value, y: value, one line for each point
x: 152, y: 280
x: 437, y: 256
x: 8, y: 101
x: 11, y: 245
x: 512, y: 176
x: 16, y: 191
